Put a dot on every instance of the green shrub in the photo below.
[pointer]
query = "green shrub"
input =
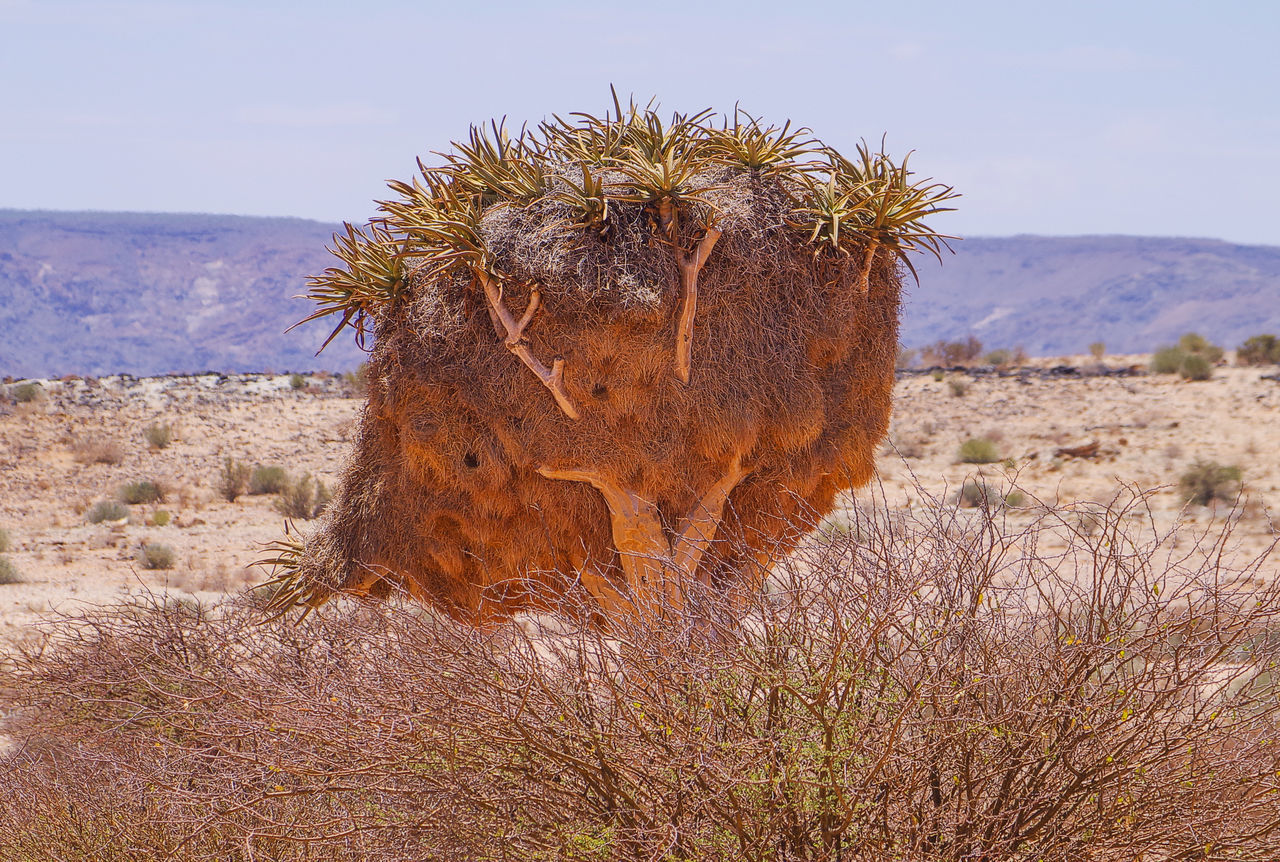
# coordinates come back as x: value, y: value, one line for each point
x: 975, y: 493
x: 1195, y: 343
x: 305, y: 498
x: 958, y: 387
x: 25, y: 393
x: 145, y: 491
x: 1098, y: 350
x: 158, y: 436
x: 1195, y: 367
x: 937, y: 375
x: 1015, y: 499
x: 1207, y: 481
x: 1259, y: 350
x: 233, y: 480
x: 160, y: 518
x: 156, y: 556
x: 1167, y: 360
x: 268, y: 480
x: 297, y: 381
x: 1005, y: 358
x: 9, y: 572
x: 4, y: 540
x: 107, y: 510
x: 978, y: 450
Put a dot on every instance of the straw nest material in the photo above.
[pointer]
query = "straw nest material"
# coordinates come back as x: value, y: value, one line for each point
x: 617, y: 353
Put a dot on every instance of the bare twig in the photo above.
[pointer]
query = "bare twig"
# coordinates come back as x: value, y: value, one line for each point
x: 553, y: 377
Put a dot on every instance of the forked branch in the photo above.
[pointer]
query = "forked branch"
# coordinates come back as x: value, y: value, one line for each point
x: 512, y: 332
x: 690, y: 266
x: 637, y: 535
x: 698, y: 528
x: 652, y: 564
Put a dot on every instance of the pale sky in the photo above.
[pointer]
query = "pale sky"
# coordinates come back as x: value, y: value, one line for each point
x: 1157, y: 118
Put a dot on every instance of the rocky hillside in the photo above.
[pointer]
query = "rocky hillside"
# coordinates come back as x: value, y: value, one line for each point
x: 97, y: 293
x: 138, y: 293
x: 1056, y: 295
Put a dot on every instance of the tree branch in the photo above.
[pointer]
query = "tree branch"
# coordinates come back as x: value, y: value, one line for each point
x: 642, y: 546
x: 698, y: 528
x: 864, y: 269
x: 690, y: 266
x: 553, y: 377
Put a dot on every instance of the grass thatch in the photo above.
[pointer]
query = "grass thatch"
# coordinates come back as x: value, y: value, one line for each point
x: 596, y: 340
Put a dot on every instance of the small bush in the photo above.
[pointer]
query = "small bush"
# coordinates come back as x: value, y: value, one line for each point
x: 305, y: 498
x: 952, y: 352
x: 975, y: 493
x: 1195, y: 343
x: 136, y: 493
x: 1259, y: 350
x: 1098, y: 350
x: 297, y: 381
x: 1207, y: 481
x: 158, y: 436
x: 9, y: 572
x: 268, y: 480
x: 97, y: 452
x: 1167, y: 360
x: 156, y: 556
x: 1195, y: 367
x: 26, y: 393
x: 4, y: 540
x: 978, y: 450
x: 160, y: 518
x: 958, y: 387
x: 107, y: 510
x: 1005, y: 358
x: 937, y: 375
x: 233, y: 480
x: 1015, y: 499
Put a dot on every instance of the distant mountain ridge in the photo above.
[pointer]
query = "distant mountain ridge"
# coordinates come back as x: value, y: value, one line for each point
x: 149, y: 293
x: 1056, y: 295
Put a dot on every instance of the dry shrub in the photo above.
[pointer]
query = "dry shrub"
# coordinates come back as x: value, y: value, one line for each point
x: 928, y: 689
x: 143, y: 491
x: 233, y: 479
x: 92, y: 451
x: 1206, y: 481
x: 952, y: 353
x: 305, y: 497
x: 158, y: 436
x: 270, y: 479
x: 1259, y: 350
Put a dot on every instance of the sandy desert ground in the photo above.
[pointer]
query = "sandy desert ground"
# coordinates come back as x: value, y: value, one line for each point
x: 1149, y: 430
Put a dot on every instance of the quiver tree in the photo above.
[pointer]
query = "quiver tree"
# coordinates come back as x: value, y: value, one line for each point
x: 619, y: 353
